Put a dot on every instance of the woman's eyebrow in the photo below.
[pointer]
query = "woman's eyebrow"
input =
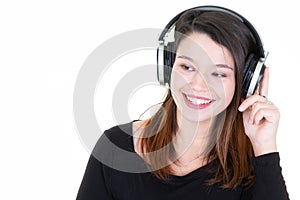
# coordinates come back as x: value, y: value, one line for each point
x: 217, y: 65
x: 224, y: 66
x: 186, y: 57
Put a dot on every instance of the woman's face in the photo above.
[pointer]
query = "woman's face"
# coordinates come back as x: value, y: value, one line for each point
x: 203, y: 78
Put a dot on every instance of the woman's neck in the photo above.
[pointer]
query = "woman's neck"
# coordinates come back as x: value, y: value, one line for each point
x: 192, y: 139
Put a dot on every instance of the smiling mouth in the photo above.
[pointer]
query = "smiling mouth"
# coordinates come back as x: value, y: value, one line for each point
x: 198, y: 100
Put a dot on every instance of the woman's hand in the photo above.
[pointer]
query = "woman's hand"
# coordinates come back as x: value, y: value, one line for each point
x: 261, y: 118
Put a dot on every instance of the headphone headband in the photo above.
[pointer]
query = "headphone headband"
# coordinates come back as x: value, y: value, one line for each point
x: 170, y: 25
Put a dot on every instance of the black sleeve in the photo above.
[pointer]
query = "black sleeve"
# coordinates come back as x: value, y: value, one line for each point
x: 269, y: 183
x: 94, y: 184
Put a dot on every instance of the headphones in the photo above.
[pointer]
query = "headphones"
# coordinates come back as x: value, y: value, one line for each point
x: 254, y: 64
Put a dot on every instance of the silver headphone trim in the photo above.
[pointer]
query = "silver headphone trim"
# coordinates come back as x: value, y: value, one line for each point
x: 160, y: 62
x: 256, y: 75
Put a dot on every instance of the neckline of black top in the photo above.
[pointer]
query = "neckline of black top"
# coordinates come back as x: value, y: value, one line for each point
x: 201, y: 172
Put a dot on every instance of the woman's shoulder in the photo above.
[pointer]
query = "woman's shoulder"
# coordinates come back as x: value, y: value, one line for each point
x: 115, y: 148
x: 120, y: 135
x: 126, y: 135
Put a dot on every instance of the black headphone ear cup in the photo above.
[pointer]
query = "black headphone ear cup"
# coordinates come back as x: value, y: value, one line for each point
x: 169, y: 57
x: 249, y: 68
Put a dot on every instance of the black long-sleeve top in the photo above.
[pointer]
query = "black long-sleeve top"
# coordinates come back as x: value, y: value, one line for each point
x: 108, y: 176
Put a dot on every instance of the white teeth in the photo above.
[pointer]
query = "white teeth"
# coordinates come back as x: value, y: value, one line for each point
x: 198, y: 101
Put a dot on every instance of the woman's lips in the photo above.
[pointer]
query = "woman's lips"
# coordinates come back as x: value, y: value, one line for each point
x: 197, y: 102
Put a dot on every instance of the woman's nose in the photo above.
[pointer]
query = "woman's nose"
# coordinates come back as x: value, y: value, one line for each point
x: 197, y: 82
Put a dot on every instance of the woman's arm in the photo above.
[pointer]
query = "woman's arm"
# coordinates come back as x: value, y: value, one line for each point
x: 269, y: 183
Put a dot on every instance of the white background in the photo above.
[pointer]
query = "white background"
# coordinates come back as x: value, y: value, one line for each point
x: 43, y: 45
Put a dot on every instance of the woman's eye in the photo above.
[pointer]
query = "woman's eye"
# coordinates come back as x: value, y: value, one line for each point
x: 219, y: 74
x: 187, y: 68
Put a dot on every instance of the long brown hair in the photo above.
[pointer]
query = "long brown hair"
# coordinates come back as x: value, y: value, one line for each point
x: 232, y: 150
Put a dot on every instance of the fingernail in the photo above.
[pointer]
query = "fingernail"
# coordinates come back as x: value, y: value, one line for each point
x: 241, y: 108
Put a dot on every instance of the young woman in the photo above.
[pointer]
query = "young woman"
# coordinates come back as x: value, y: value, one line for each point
x: 206, y: 141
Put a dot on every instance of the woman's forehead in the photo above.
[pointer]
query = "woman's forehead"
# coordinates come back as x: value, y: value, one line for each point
x: 201, y: 49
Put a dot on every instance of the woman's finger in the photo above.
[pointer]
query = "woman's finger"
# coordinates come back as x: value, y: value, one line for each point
x: 260, y: 111
x: 251, y: 101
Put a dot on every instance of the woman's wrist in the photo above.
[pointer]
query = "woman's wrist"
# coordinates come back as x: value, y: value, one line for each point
x: 264, y: 148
